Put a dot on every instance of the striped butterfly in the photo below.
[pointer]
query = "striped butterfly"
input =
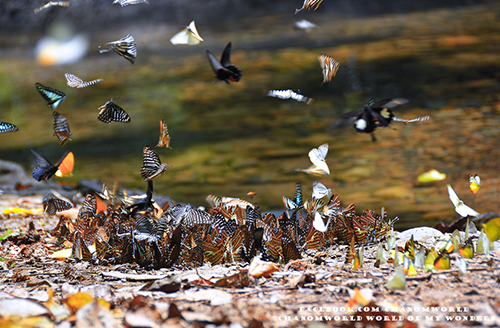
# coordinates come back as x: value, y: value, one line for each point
x: 45, y: 170
x: 111, y: 112
x: 418, y: 119
x: 51, y: 4
x: 125, y: 47
x: 53, y: 97
x: 124, y: 3
x: 308, y: 4
x: 7, y: 127
x: 61, y: 128
x: 164, y: 136
x: 53, y: 202
x: 76, y: 82
x: 290, y: 94
x: 329, y: 66
x: 188, y: 36
x: 151, y: 164
x: 89, y: 207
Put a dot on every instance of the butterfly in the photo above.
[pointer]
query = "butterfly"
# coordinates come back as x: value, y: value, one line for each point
x: 111, y: 112
x: 320, y: 191
x: 45, y: 170
x: 76, y: 82
x: 371, y: 116
x: 297, y: 202
x: 188, y: 36
x: 329, y: 66
x: 53, y: 97
x: 61, y: 128
x: 289, y: 94
x: 53, y: 202
x: 308, y: 4
x: 462, y: 209
x: 7, y: 127
x: 51, y: 4
x: 318, y: 157
x: 151, y: 164
x: 124, y: 3
x: 164, y: 136
x: 474, y: 183
x: 314, y: 170
x: 66, y: 167
x: 223, y: 69
x: 125, y: 47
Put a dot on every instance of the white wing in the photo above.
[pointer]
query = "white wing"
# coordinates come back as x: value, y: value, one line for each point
x: 320, y: 191
x: 462, y: 209
x: 318, y: 223
x: 188, y: 36
x: 181, y: 37
x: 318, y: 156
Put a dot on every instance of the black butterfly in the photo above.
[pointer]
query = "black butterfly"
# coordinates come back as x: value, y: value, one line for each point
x: 61, y: 128
x: 223, y: 69
x: 45, y: 170
x: 371, y: 116
x: 8, y: 127
x: 53, y: 97
x: 151, y: 164
x: 111, y: 112
x: 53, y: 203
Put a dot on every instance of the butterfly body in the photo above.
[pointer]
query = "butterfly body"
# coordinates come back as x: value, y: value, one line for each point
x: 223, y: 69
x: 53, y: 97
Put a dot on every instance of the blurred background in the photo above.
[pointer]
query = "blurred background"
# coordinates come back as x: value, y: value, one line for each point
x: 230, y: 139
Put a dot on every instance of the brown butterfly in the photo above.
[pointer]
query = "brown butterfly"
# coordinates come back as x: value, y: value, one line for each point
x: 164, y: 136
x: 329, y: 66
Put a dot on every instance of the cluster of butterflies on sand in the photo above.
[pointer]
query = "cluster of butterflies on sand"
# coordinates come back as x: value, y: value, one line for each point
x: 118, y: 228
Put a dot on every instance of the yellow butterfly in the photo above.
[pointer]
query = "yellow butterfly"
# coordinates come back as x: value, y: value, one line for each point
x: 474, y: 183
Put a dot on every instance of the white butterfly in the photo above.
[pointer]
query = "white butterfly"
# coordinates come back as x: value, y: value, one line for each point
x: 462, y: 209
x: 320, y: 191
x: 188, y: 36
x: 319, y: 224
x: 318, y: 156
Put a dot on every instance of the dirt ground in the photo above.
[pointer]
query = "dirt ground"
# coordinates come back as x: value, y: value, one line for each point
x: 312, y: 291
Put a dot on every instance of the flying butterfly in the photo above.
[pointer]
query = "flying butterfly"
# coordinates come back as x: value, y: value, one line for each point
x: 164, y: 136
x: 125, y: 47
x: 371, y: 116
x: 151, y: 164
x: 76, y: 82
x: 305, y: 25
x: 223, y: 69
x: 111, y: 112
x: 124, y: 3
x: 7, y: 127
x: 308, y: 4
x: 51, y: 4
x: 462, y: 209
x: 53, y: 97
x: 65, y: 169
x: 329, y: 66
x: 44, y: 169
x: 474, y: 183
x: 320, y: 191
x: 53, y: 202
x: 188, y: 36
x: 289, y: 94
x: 314, y: 170
x: 61, y: 128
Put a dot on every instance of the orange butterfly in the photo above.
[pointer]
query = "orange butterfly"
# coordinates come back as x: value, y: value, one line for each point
x: 164, y: 136
x: 474, y: 183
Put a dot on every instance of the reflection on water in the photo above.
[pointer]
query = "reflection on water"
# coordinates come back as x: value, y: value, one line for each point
x: 230, y: 139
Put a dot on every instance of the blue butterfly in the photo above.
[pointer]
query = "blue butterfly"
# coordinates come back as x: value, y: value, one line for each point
x: 53, y: 97
x: 7, y: 127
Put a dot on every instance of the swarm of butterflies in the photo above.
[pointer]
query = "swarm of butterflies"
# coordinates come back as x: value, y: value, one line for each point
x: 118, y: 228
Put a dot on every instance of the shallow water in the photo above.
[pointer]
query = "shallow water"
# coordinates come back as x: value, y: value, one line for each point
x: 230, y: 139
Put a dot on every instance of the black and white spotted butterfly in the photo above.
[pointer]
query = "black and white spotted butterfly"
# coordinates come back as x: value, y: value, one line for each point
x: 111, y: 112
x: 151, y: 164
x: 290, y: 94
x: 125, y: 47
x: 53, y: 202
x: 7, y: 127
x: 61, y: 128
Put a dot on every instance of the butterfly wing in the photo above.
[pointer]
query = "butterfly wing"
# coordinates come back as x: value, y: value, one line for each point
x: 7, y: 127
x: 346, y: 119
x: 318, y: 156
x: 214, y: 62
x: 164, y: 140
x: 73, y: 81
x: 181, y: 38
x: 318, y: 222
x: 474, y: 183
x: 225, y: 59
x: 65, y: 168
x: 53, y: 97
x: 44, y: 169
x: 124, y: 47
x: 320, y: 191
x: 194, y: 37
